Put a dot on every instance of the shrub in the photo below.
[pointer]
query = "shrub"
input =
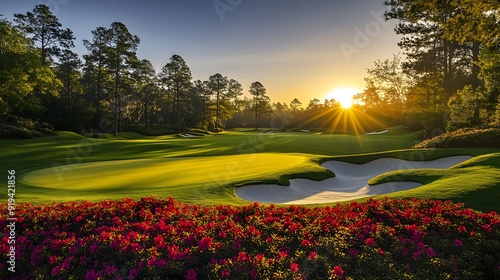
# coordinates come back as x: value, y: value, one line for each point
x: 465, y: 138
x: 4, y: 133
x: 198, y: 131
x: 46, y: 131
x: 216, y: 130
x: 11, y: 131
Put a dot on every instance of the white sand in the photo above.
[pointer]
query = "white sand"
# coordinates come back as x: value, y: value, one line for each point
x: 350, y: 182
x: 187, y: 135
x: 377, y: 132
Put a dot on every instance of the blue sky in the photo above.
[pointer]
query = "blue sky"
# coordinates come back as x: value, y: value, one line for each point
x: 296, y: 48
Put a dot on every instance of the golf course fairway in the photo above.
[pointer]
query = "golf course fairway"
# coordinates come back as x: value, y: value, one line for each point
x: 210, y: 169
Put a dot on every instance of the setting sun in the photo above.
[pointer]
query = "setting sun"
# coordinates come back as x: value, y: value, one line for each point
x: 343, y: 96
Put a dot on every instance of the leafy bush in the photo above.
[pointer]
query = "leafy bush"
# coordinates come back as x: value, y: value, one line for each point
x: 164, y: 239
x: 465, y: 138
x: 216, y: 130
x: 198, y: 131
x: 46, y: 131
x: 11, y: 131
x: 4, y: 133
x: 432, y: 122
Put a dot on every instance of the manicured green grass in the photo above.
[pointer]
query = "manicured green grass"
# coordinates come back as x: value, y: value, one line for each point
x: 203, y: 170
x: 194, y: 179
x: 475, y: 182
x: 207, y: 169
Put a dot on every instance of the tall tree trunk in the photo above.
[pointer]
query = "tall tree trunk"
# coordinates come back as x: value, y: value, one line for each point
x: 43, y: 48
x: 256, y: 112
x: 236, y: 120
x: 174, y: 105
x: 98, y: 89
x: 117, y: 101
x: 68, y: 80
x: 449, y: 51
x: 178, y: 110
x: 217, y: 112
x: 146, y: 117
x: 167, y: 108
x: 476, y: 47
x: 203, y: 112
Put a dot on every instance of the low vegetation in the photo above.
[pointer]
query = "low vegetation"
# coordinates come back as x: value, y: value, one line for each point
x: 164, y: 239
x: 190, y: 169
x: 475, y: 182
x: 465, y: 138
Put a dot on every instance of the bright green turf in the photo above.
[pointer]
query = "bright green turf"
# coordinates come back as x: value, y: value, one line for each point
x: 137, y: 166
x: 475, y: 182
x: 199, y: 170
x: 168, y: 177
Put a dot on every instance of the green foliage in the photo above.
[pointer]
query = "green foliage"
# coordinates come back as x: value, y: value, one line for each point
x: 475, y: 182
x: 45, y: 29
x: 497, y: 113
x: 176, y: 76
x: 20, y: 74
x: 477, y: 21
x: 489, y: 60
x: 199, y: 131
x: 387, y: 85
x: 462, y: 107
x: 120, y: 59
x: 431, y: 121
x: 218, y: 86
x: 448, y: 45
x: 11, y: 131
x: 465, y: 138
x: 260, y: 101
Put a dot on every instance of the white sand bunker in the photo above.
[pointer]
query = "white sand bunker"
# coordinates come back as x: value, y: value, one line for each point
x: 188, y: 135
x: 350, y: 182
x: 377, y: 132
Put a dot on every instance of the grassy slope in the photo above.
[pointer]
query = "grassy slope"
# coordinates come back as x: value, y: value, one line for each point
x: 133, y: 165
x: 475, y: 182
x: 194, y: 179
x: 47, y: 163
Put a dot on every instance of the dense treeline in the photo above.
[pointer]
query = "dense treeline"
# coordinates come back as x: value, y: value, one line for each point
x: 44, y: 82
x: 448, y: 77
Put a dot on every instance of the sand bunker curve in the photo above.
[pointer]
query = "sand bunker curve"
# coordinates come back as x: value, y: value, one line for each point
x: 350, y: 182
x: 377, y: 132
x: 188, y: 135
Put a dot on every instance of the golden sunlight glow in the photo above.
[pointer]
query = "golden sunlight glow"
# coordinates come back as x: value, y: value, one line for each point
x: 343, y: 95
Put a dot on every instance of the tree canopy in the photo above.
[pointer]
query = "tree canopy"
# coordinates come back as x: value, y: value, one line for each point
x: 446, y: 77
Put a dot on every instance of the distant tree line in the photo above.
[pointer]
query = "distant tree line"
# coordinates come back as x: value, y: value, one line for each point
x: 43, y: 81
x: 449, y: 75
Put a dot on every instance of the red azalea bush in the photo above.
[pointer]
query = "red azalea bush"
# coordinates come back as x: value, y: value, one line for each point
x: 164, y: 239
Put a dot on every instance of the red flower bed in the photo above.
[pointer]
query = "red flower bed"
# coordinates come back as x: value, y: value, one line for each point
x: 164, y: 239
